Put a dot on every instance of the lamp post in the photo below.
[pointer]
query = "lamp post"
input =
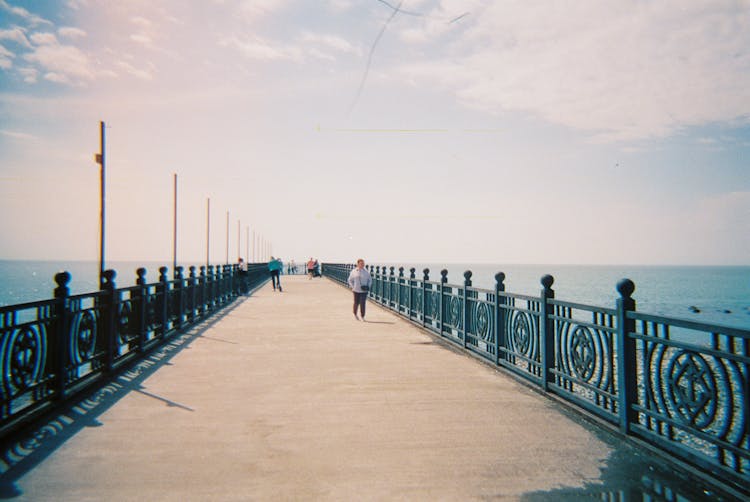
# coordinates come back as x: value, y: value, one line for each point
x: 208, y: 231
x: 100, y: 159
x: 174, y: 228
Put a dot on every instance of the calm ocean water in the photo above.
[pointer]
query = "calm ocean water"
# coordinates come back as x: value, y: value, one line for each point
x: 722, y: 294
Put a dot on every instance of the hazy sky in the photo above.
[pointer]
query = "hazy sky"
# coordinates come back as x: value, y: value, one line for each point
x: 441, y: 131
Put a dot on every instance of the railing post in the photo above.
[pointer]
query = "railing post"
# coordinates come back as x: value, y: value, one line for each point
x: 142, y: 294
x: 192, y: 281
x: 443, y: 281
x: 219, y: 278
x: 499, y: 315
x: 546, y: 332
x: 373, y: 292
x: 425, y: 279
x: 210, y: 288
x: 399, y: 283
x: 164, y: 304
x: 391, y: 279
x: 412, y: 279
x: 179, y: 291
x: 626, y: 356
x: 465, y: 310
x: 227, y: 282
x: 109, y: 311
x: 232, y: 280
x: 62, y: 331
x: 378, y: 285
x: 202, y: 286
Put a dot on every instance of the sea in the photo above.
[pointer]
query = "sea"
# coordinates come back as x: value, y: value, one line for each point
x: 712, y: 294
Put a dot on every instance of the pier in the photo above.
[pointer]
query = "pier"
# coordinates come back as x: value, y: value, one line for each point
x: 285, y: 396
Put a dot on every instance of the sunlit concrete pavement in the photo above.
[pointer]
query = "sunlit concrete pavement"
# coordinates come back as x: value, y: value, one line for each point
x: 288, y: 397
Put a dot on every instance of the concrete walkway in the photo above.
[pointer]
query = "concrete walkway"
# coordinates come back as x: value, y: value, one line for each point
x: 288, y: 397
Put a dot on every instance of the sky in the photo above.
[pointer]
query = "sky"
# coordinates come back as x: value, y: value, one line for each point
x: 423, y: 131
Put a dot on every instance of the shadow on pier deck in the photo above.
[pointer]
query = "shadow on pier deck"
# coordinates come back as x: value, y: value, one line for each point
x: 287, y: 397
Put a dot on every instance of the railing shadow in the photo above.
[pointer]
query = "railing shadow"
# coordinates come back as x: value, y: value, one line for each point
x: 30, y: 446
x: 632, y: 475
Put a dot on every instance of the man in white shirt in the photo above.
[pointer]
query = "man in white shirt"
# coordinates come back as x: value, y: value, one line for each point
x: 360, y: 281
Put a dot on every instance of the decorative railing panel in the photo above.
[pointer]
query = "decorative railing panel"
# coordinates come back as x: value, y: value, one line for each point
x: 28, y: 363
x: 522, y: 342
x: 585, y: 366
x: 54, y: 348
x: 680, y: 385
x: 693, y: 396
x: 481, y: 330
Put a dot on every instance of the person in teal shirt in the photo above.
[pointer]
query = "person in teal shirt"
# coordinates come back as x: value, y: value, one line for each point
x: 275, y: 266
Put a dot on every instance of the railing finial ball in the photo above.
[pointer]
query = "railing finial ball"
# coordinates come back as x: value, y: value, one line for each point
x: 547, y: 281
x: 626, y: 287
x: 500, y: 277
x: 444, y: 275
x: 62, y: 278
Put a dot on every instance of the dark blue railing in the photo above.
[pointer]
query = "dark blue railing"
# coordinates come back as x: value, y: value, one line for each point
x: 681, y: 386
x: 53, y: 349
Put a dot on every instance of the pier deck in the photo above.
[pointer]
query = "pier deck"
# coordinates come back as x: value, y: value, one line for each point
x: 287, y: 397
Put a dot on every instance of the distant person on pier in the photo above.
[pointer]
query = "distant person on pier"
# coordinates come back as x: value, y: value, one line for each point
x: 310, y: 268
x: 275, y: 266
x: 316, y: 268
x: 360, y: 281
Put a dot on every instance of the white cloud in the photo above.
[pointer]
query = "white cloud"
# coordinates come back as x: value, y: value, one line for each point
x: 252, y: 10
x: 71, y: 32
x: 16, y: 34
x: 44, y: 38
x: 32, y: 19
x: 320, y: 55
x: 141, y: 38
x: 340, y: 5
x: 6, y: 58
x: 707, y: 141
x: 330, y: 41
x: 257, y: 48
x: 62, y: 62
x: 77, y: 4
x: 58, y: 78
x: 17, y: 135
x: 620, y: 71
x: 29, y: 75
x: 141, y: 21
x: 130, y: 69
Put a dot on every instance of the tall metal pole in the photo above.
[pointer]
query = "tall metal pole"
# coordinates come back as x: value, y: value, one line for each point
x: 208, y: 230
x: 227, y: 260
x: 239, y: 240
x: 247, y: 243
x: 254, y: 239
x: 174, y: 228
x: 100, y: 159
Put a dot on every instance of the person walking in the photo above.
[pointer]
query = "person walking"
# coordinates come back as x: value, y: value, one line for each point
x: 275, y: 266
x: 360, y: 281
x: 310, y: 268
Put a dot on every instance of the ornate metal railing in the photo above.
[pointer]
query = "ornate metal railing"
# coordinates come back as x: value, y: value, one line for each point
x: 53, y: 349
x: 679, y: 385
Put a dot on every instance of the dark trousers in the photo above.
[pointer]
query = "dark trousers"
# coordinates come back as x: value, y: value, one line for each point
x: 360, y: 300
x: 275, y: 279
